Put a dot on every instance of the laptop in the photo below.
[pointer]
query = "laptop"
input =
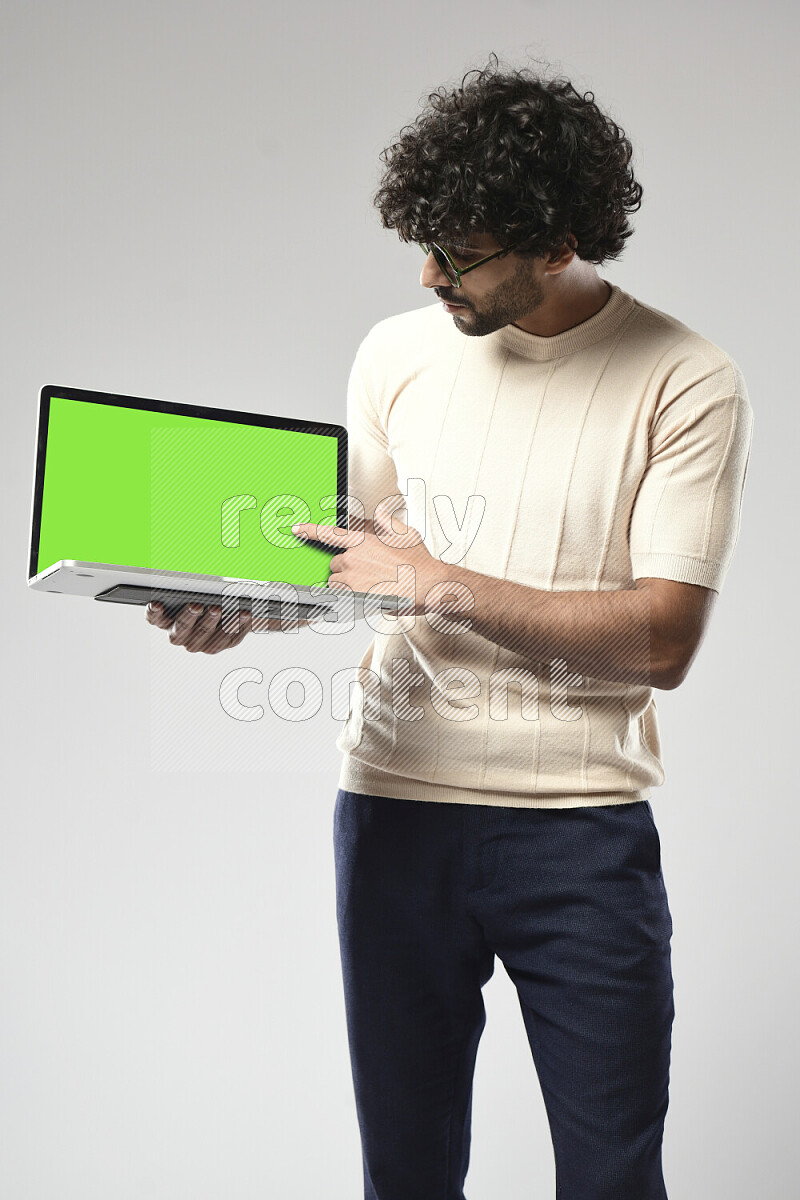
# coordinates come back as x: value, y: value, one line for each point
x: 137, y: 500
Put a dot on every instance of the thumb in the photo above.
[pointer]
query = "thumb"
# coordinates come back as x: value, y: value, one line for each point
x: 393, y: 530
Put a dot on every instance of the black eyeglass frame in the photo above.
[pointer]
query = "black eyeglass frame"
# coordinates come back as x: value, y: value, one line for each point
x: 447, y: 265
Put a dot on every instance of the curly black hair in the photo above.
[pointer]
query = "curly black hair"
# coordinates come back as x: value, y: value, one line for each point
x: 528, y: 160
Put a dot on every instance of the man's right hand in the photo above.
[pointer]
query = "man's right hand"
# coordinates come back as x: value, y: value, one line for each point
x: 200, y: 630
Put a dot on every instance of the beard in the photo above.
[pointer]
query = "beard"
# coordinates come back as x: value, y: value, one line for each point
x: 514, y: 298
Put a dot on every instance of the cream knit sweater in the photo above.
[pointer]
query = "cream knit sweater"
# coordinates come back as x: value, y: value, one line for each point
x: 615, y: 450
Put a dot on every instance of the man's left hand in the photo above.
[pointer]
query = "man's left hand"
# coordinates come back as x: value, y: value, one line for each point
x: 399, y: 563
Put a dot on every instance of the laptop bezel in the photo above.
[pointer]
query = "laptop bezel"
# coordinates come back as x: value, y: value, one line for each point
x: 234, y: 416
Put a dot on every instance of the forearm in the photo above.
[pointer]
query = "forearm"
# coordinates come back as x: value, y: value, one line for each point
x: 605, y: 634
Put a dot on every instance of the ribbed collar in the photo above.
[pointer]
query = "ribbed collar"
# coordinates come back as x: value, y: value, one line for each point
x: 616, y: 309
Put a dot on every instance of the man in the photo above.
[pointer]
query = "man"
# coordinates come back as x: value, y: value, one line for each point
x: 593, y: 451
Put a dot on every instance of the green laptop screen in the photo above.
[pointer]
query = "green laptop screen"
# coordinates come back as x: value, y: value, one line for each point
x: 136, y: 488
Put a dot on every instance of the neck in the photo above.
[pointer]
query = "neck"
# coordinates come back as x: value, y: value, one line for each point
x: 569, y: 300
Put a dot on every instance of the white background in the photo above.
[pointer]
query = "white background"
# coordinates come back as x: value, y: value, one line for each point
x: 186, y: 214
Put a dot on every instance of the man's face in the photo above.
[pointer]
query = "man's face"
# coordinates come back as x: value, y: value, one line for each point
x: 497, y: 293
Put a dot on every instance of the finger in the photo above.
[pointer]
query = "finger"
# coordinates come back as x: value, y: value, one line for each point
x: 393, y: 530
x: 246, y: 625
x: 156, y: 616
x: 386, y: 513
x: 325, y: 535
x: 222, y: 639
x: 184, y: 623
x: 276, y: 625
x: 204, y: 629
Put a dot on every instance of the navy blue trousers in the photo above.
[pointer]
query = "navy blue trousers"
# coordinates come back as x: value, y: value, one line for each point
x: 572, y: 901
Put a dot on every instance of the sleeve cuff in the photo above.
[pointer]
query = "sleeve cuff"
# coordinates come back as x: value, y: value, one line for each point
x: 680, y: 567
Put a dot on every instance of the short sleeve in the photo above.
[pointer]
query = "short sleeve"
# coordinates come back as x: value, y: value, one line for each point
x: 685, y: 519
x: 371, y: 472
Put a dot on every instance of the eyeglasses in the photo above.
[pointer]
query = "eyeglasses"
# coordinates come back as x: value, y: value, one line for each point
x: 444, y: 260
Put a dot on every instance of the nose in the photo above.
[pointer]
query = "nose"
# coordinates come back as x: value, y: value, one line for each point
x: 432, y: 274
